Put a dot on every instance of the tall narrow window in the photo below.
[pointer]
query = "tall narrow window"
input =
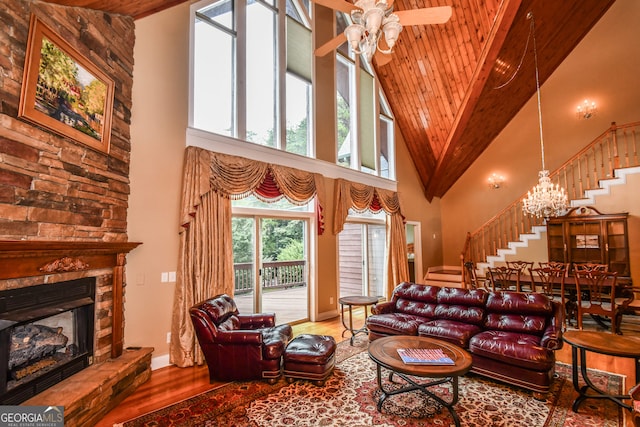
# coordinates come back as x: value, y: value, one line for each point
x: 252, y: 72
x: 214, y: 72
x: 261, y: 107
x: 364, y: 143
x: 387, y: 147
x: 298, y: 87
x: 345, y: 96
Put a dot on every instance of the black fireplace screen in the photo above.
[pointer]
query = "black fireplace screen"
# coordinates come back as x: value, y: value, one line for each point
x: 46, y: 335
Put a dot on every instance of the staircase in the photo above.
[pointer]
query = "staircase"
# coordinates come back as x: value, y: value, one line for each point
x: 604, y: 163
x: 449, y: 276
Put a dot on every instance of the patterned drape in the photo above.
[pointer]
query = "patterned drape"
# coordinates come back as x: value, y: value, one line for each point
x: 363, y: 197
x: 205, y: 267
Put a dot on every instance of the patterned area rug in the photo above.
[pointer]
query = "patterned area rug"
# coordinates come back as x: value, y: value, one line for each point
x: 349, y: 398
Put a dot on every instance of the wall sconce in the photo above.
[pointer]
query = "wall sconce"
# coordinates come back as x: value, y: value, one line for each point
x: 495, y: 181
x: 586, y: 110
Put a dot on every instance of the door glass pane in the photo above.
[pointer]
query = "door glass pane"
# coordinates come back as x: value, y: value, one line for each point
x: 376, y: 243
x: 284, y: 269
x: 362, y: 259
x: 351, y: 258
x: 244, y: 243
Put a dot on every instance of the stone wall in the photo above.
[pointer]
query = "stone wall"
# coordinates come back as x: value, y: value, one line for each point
x: 52, y: 187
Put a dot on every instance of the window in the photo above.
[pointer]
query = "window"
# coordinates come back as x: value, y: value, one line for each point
x: 363, y: 143
x: 252, y: 72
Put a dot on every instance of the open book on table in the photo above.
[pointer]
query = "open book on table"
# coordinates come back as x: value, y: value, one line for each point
x: 424, y: 356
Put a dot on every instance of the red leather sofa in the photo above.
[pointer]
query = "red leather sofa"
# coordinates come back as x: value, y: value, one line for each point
x: 236, y: 346
x: 511, y: 335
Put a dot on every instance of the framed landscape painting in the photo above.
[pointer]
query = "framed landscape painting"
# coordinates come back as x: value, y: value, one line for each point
x: 63, y: 91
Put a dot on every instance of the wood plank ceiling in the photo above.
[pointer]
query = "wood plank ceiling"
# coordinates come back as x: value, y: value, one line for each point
x: 442, y: 81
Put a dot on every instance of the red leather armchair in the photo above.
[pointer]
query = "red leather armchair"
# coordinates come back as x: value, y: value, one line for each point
x: 239, y: 347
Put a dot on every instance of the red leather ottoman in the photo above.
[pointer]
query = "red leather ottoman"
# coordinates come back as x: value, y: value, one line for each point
x: 310, y: 357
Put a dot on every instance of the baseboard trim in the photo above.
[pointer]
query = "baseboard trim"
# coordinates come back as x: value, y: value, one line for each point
x: 160, y: 362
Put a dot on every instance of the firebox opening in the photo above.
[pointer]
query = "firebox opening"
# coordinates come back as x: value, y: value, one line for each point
x: 46, y: 335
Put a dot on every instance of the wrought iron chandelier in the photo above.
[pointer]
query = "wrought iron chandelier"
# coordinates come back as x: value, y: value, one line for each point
x: 545, y: 200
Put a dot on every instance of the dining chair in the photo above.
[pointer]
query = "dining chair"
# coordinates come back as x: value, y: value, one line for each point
x: 590, y: 266
x: 596, y: 295
x: 502, y: 278
x: 521, y: 268
x: 471, y: 279
x: 555, y: 264
x: 551, y: 282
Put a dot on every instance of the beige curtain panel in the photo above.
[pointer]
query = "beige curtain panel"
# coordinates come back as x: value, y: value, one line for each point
x: 205, y: 269
x: 361, y: 197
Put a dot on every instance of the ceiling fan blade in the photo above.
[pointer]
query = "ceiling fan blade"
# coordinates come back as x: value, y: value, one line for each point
x: 430, y: 15
x: 340, y: 5
x: 331, y: 45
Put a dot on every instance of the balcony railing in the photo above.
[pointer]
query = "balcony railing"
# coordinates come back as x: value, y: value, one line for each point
x: 616, y: 148
x: 274, y: 275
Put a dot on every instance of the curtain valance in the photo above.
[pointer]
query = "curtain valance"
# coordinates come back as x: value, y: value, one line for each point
x: 361, y: 197
x: 237, y: 177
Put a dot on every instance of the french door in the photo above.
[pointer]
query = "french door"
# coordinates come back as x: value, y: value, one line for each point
x: 362, y: 259
x: 271, y: 266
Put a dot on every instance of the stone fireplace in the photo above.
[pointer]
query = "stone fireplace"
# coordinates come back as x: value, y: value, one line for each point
x: 41, y: 280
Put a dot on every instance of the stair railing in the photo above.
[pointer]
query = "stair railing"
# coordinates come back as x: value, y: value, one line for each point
x: 615, y: 148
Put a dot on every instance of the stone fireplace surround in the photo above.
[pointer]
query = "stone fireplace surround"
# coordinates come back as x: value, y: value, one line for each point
x: 115, y: 373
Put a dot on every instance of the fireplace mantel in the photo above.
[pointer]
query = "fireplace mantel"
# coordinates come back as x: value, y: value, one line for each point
x: 32, y: 258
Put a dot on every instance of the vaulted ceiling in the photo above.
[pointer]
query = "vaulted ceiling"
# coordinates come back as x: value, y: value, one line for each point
x: 446, y: 84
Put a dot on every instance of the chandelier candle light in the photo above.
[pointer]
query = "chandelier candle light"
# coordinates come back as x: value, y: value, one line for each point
x: 545, y: 200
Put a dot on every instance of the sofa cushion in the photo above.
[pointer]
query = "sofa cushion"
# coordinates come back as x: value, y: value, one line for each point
x: 520, y: 303
x: 518, y: 312
x: 457, y: 333
x: 416, y: 300
x: 516, y: 323
x: 460, y: 296
x: 395, y: 323
x: 513, y: 348
x: 460, y: 313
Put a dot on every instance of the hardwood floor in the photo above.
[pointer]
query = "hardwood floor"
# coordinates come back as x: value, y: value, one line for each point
x: 171, y: 384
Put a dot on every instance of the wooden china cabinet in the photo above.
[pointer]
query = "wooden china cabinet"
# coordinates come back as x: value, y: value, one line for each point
x: 585, y: 235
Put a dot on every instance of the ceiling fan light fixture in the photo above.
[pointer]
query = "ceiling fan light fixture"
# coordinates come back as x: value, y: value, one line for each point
x: 392, y: 29
x: 356, y: 16
x: 354, y: 33
x: 373, y: 19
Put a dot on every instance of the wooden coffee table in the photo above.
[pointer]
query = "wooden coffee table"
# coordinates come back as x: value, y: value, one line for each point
x: 384, y: 352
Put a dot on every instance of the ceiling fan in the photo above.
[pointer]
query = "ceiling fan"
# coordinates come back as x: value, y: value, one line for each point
x: 371, y: 19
